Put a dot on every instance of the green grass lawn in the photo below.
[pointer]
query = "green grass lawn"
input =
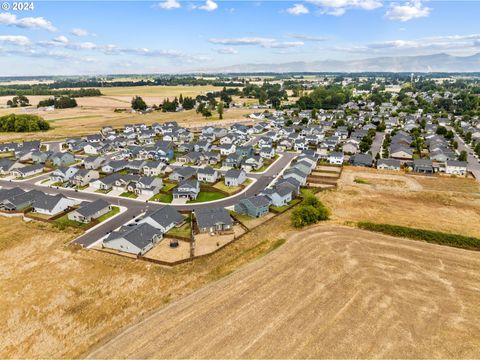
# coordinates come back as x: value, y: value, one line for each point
x: 184, y: 231
x: 280, y: 209
x: 168, y: 186
x: 64, y: 221
x: 161, y: 197
x: 103, y: 191
x: 208, y: 196
x: 115, y: 210
x: 129, y: 194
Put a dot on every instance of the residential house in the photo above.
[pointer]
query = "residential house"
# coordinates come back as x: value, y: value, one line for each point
x: 187, y: 189
x: 136, y: 240
x: 94, y: 162
x: 234, y: 177
x: 90, y: 211
x: 255, y: 206
x: 208, y: 175
x: 164, y: 218
x: 212, y: 220
x: 182, y: 173
x: 455, y: 167
x: 388, y: 164
x: 83, y: 177
x: 27, y: 171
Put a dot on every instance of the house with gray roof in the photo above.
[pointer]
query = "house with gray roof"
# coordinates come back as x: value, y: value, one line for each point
x: 213, y: 220
x: 182, y: 173
x: 187, y: 189
x: 27, y: 171
x: 455, y: 167
x: 234, y: 177
x: 94, y: 162
x: 51, y: 204
x: 255, y: 206
x: 208, y: 175
x: 279, y: 196
x: 84, y: 176
x: 87, y: 212
x: 137, y: 239
x: 388, y: 164
x: 164, y: 218
x: 62, y: 158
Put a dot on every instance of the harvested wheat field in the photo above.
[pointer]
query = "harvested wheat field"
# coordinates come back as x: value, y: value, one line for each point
x: 329, y: 292
x: 445, y: 205
x: 57, y: 301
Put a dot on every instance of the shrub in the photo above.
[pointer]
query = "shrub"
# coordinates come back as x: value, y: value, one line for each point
x: 309, y: 212
x: 436, y: 237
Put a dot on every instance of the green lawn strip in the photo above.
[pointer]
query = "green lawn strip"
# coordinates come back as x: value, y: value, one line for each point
x: 435, y: 237
x: 129, y: 194
x: 103, y: 191
x: 161, y: 197
x: 281, y: 209
x: 115, y: 210
x: 168, y: 186
x: 204, y: 196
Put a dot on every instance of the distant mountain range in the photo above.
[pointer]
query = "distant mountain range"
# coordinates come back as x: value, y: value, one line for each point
x: 425, y: 63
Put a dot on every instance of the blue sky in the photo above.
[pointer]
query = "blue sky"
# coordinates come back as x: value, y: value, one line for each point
x: 92, y: 37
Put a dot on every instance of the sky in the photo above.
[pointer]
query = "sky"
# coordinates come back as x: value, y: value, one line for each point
x: 173, y: 36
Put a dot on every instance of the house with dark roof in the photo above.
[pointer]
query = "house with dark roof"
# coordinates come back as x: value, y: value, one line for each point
x: 279, y: 196
x: 182, y: 173
x: 187, y: 189
x: 164, y: 218
x: 234, y: 177
x: 208, y: 175
x: 388, y: 164
x: 137, y: 239
x: 27, y: 171
x: 87, y: 212
x: 365, y: 160
x: 94, y: 162
x: 255, y: 206
x: 213, y: 220
x: 51, y: 204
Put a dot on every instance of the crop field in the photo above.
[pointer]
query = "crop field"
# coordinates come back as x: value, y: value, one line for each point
x: 57, y: 301
x: 329, y: 292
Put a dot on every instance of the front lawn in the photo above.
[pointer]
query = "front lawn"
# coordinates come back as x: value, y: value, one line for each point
x: 129, y: 194
x: 204, y: 196
x: 168, y: 186
x: 161, y: 197
x: 62, y: 222
x: 115, y: 210
x: 103, y: 191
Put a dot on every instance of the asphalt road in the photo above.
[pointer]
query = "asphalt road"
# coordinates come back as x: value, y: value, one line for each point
x: 135, y: 207
x: 377, y: 143
x: 473, y: 163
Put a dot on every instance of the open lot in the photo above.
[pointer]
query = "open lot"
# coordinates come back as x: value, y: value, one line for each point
x: 329, y: 292
x: 433, y: 203
x: 58, y: 302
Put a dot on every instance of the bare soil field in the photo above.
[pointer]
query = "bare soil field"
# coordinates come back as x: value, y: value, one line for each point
x: 406, y: 200
x: 57, y: 302
x: 329, y: 292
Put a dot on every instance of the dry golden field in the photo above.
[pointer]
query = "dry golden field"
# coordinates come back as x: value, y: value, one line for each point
x: 329, y: 292
x: 58, y: 302
x: 94, y: 112
x: 433, y: 203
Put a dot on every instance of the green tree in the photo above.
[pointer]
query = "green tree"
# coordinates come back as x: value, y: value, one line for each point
x: 220, y: 110
x: 138, y: 104
x: 462, y: 156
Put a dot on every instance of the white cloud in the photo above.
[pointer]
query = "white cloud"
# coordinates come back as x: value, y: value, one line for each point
x: 61, y: 39
x: 408, y: 11
x: 308, y: 37
x: 169, y: 5
x: 209, y: 5
x: 258, y: 41
x: 228, y: 51
x: 26, y: 22
x: 81, y: 32
x: 459, y: 44
x: 15, y: 40
x: 298, y: 9
x: 339, y: 7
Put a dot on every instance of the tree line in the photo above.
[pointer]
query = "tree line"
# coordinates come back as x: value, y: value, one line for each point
x: 23, y: 123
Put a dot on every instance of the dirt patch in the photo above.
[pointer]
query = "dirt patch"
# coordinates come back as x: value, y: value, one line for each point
x: 413, y: 206
x: 329, y: 292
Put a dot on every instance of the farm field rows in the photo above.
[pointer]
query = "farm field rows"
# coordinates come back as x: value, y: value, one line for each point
x: 329, y: 292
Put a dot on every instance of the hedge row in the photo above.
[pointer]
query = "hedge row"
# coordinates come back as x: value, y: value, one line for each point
x: 436, y: 237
